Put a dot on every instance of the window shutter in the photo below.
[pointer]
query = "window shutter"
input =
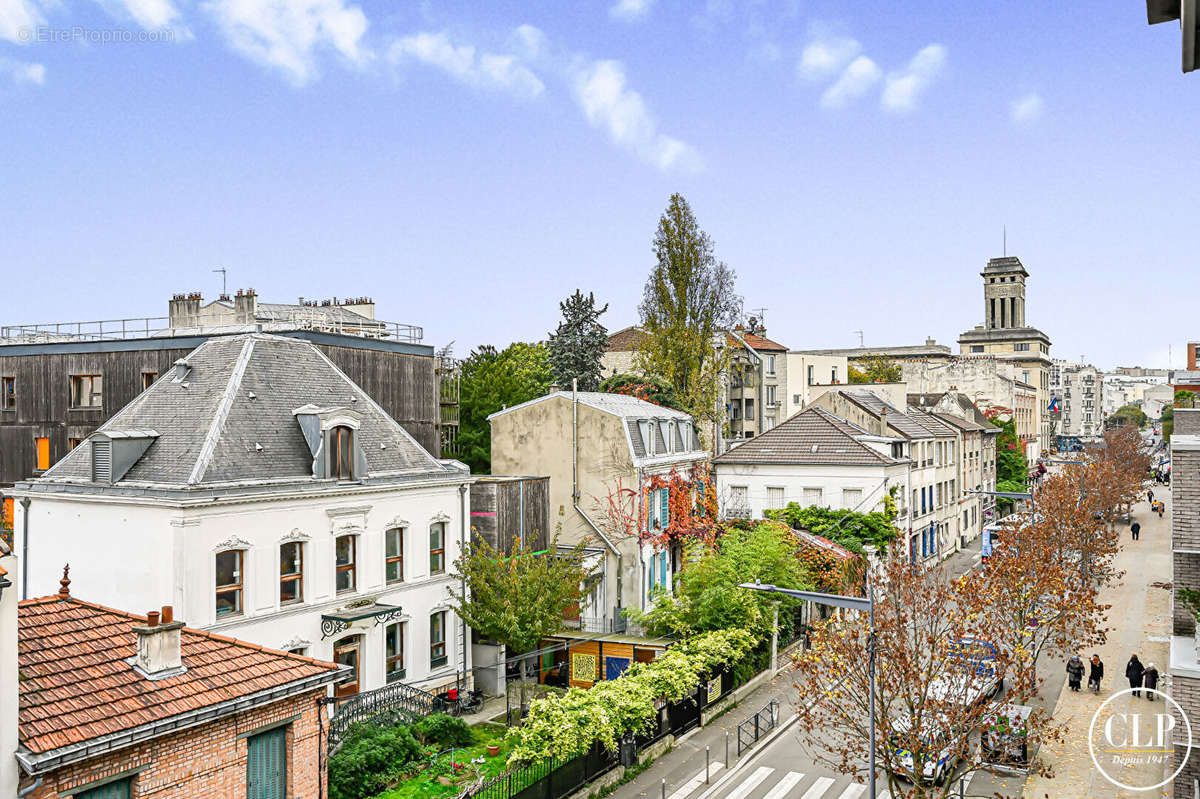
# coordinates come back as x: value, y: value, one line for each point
x: 662, y: 568
x: 101, y: 460
x: 666, y: 506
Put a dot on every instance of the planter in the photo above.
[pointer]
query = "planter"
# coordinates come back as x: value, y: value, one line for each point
x: 493, y: 750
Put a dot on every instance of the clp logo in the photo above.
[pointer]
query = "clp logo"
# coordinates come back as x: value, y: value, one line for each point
x: 1130, y: 741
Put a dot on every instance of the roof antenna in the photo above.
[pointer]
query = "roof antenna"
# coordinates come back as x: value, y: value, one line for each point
x: 224, y: 288
x: 860, y: 338
x: 1004, y: 233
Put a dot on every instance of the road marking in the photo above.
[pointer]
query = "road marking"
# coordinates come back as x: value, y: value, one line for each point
x: 784, y: 785
x: 750, y: 783
x: 695, y: 781
x: 818, y: 788
x: 853, y: 791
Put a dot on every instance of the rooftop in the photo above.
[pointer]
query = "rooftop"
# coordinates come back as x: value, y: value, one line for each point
x: 875, y: 405
x: 812, y: 437
x: 929, y: 349
x: 77, y: 684
x: 622, y: 405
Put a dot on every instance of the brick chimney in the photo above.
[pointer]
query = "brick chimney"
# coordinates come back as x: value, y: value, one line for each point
x: 158, y: 645
x: 184, y: 310
x: 363, y: 306
x: 245, y: 305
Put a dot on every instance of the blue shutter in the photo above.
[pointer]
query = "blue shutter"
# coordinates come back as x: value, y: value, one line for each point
x: 665, y: 506
x: 651, y: 509
x: 662, y: 568
x: 266, y: 765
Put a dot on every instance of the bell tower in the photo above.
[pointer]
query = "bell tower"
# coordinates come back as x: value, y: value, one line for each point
x: 1004, y: 293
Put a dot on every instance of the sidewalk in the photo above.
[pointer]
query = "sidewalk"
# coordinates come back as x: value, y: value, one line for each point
x: 1141, y: 615
x: 686, y: 759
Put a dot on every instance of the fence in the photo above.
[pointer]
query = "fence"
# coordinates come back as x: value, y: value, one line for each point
x: 387, y: 706
x: 758, y: 725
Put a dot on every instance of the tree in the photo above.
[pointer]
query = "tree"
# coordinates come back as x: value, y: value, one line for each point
x: 927, y: 684
x: 875, y: 369
x: 650, y: 389
x: 1168, y: 422
x: 491, y: 381
x: 849, y: 529
x: 688, y: 300
x: 578, y: 344
x: 1128, y: 415
x: 518, y: 597
x: 1185, y: 398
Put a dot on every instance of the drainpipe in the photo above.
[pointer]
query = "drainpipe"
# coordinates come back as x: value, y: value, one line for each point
x: 462, y: 543
x: 575, y: 481
x: 28, y: 789
x: 25, y: 547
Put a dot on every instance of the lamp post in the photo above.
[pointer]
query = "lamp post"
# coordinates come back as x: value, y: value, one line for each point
x: 850, y: 603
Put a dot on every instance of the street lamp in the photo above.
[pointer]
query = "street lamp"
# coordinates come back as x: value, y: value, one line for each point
x: 850, y: 603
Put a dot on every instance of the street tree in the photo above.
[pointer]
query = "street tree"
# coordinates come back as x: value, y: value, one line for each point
x: 688, y: 302
x: 875, y: 369
x: 1127, y: 415
x: 491, y: 381
x: 578, y: 344
x: 518, y: 597
x: 930, y: 678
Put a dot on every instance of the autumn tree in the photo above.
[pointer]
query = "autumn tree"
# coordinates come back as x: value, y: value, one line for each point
x: 936, y: 662
x: 650, y: 389
x: 688, y: 301
x: 578, y: 344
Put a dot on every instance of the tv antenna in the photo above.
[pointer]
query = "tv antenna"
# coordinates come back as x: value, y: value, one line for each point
x: 224, y: 289
x: 860, y: 337
x: 1004, y: 237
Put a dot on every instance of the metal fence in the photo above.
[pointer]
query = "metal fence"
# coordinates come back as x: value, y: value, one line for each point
x: 758, y: 725
x: 390, y: 705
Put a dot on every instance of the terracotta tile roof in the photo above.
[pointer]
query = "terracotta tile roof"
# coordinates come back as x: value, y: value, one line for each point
x: 761, y: 342
x: 625, y: 340
x: 76, y: 685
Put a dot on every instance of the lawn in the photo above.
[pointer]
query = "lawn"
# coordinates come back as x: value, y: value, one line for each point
x: 425, y: 785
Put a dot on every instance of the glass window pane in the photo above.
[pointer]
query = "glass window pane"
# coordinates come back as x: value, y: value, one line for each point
x: 289, y: 590
x: 393, y: 573
x: 345, y: 550
x: 289, y: 559
x: 394, y: 543
x: 345, y: 580
x: 229, y: 602
x: 435, y: 535
x: 229, y: 567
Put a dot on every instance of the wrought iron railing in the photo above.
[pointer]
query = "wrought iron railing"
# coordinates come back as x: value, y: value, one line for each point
x: 758, y: 725
x: 398, y: 703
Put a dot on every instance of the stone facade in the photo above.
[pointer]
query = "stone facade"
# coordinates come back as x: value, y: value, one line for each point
x: 208, y: 761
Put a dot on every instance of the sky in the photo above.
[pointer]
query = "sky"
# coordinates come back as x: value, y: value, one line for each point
x: 468, y: 165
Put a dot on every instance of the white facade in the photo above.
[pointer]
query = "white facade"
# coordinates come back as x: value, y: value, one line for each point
x: 10, y: 772
x: 755, y: 488
x: 143, y: 553
x: 809, y: 376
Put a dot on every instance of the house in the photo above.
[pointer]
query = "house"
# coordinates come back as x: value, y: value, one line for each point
x: 809, y: 375
x: 620, y: 470
x: 813, y: 458
x: 115, y: 705
x: 60, y: 381
x: 271, y: 499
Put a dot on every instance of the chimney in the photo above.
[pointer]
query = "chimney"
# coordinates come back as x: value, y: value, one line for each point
x: 883, y: 422
x: 245, y: 306
x: 158, y: 645
x: 363, y: 306
x: 184, y: 310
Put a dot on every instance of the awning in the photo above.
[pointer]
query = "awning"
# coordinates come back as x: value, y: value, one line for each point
x: 334, y: 623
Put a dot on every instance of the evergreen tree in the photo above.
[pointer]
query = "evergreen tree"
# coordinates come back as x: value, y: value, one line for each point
x: 578, y: 344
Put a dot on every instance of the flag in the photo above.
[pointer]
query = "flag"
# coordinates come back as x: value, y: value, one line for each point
x: 1053, y: 405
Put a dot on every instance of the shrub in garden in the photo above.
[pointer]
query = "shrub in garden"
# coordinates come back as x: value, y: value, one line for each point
x: 444, y: 731
x: 371, y: 760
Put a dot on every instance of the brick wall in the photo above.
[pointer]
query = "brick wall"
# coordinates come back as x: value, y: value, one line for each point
x: 209, y: 761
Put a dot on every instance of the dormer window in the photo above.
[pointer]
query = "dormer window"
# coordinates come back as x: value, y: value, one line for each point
x: 341, y: 453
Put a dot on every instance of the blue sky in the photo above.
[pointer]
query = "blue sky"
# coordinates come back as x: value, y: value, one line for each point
x: 470, y: 164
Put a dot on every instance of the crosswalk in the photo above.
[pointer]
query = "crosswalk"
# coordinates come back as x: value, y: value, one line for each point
x: 766, y: 782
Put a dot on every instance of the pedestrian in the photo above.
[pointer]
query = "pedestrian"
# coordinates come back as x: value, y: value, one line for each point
x: 1075, y: 672
x: 1150, y: 681
x: 1150, y: 496
x: 1134, y: 672
x: 1095, y: 673
x: 1161, y: 508
x: 1135, y: 529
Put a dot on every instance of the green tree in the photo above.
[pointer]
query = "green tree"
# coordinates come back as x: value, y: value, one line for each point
x: 491, y: 381
x: 1185, y: 398
x: 518, y: 597
x: 650, y: 389
x: 1128, y: 415
x: 688, y: 300
x: 849, y: 529
x: 1010, y: 456
x: 875, y: 369
x: 1168, y: 422
x: 578, y: 344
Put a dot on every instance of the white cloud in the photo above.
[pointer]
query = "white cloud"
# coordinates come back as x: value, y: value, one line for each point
x: 825, y: 55
x: 528, y: 41
x: 285, y: 34
x: 608, y: 103
x: 18, y: 19
x: 150, y: 14
x: 630, y: 10
x: 859, y: 76
x: 903, y: 89
x: 23, y: 72
x: 484, y: 70
x: 1027, y: 108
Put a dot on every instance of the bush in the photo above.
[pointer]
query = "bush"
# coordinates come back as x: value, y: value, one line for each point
x: 371, y: 760
x: 445, y: 731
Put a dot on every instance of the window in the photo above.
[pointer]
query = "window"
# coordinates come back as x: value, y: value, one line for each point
x: 72, y: 443
x: 437, y: 640
x: 1022, y: 346
x: 87, y: 391
x: 834, y: 375
x: 915, y: 504
x: 437, y: 547
x: 341, y: 453
x: 347, y: 652
x: 8, y: 387
x: 148, y: 379
x: 298, y: 650
x: 770, y: 395
x: 739, y: 500
x: 749, y: 410
x: 344, y: 563
x: 811, y: 379
x: 774, y: 497
x: 770, y: 364
x: 851, y: 497
x: 393, y: 542
x: 229, y: 582
x: 1025, y: 376
x: 291, y: 572
x: 393, y: 658
x: 42, y: 446
x: 812, y: 496
x: 795, y: 399
x: 116, y: 789
x: 976, y: 348
x: 266, y: 765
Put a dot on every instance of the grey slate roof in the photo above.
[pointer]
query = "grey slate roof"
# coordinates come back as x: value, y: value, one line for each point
x: 239, y: 396
x: 284, y: 312
x: 874, y: 404
x: 960, y: 423
x: 622, y: 405
x: 791, y: 443
x: 931, y: 423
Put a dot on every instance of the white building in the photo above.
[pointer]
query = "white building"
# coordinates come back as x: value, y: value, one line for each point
x: 1081, y: 401
x: 267, y: 497
x: 813, y: 458
x: 10, y: 773
x: 811, y: 374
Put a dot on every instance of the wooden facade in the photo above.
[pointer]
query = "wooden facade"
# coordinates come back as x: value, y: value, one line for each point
x: 401, y: 378
x: 508, y: 509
